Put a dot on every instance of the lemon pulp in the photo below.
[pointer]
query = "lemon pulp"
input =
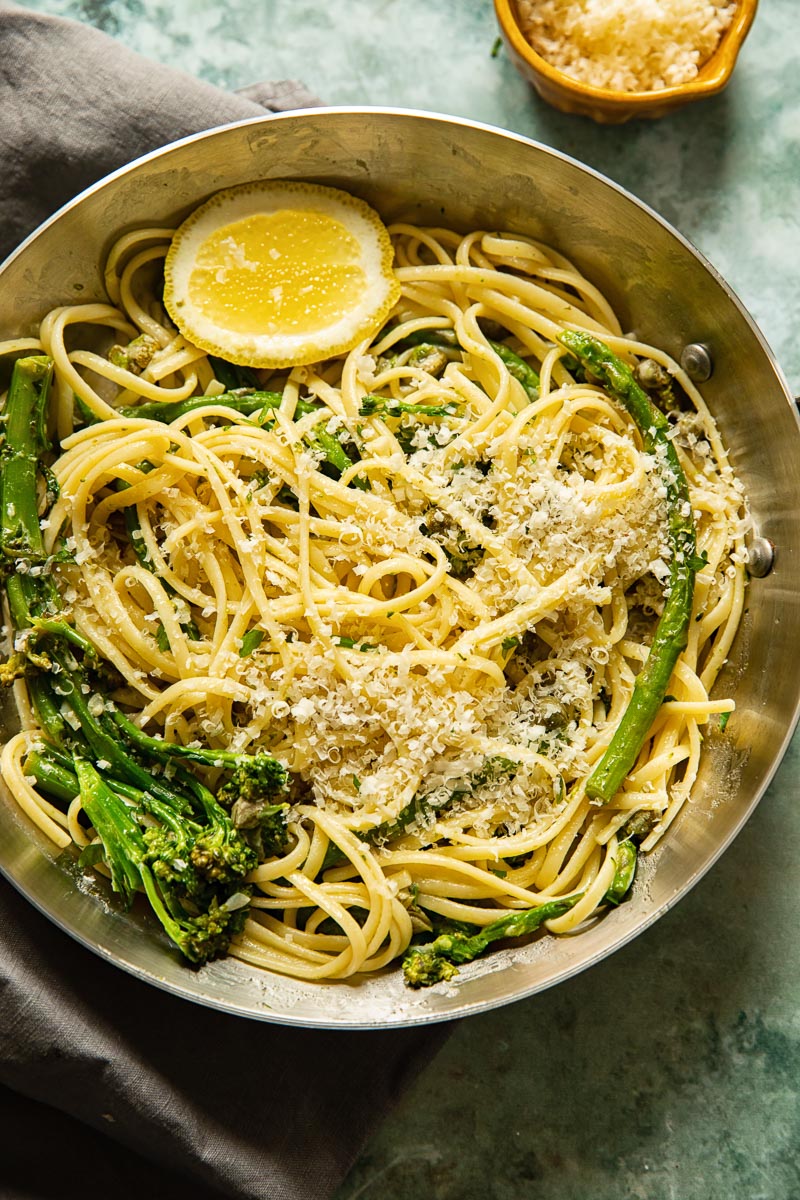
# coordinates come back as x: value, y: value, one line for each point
x: 277, y: 271
x: 280, y: 273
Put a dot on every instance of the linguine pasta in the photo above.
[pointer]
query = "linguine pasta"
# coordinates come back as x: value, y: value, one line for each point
x: 454, y: 622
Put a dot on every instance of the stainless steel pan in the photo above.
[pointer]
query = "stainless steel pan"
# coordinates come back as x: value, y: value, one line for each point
x: 436, y: 169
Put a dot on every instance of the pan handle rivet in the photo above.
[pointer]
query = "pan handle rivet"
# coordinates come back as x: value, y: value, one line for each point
x: 697, y: 362
x: 760, y: 557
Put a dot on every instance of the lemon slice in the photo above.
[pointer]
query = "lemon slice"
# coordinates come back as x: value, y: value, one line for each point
x: 278, y: 274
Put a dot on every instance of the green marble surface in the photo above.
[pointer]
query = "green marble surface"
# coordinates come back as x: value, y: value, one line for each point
x: 672, y: 1070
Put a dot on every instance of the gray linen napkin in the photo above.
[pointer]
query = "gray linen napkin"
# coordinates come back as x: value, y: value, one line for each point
x: 221, y: 1104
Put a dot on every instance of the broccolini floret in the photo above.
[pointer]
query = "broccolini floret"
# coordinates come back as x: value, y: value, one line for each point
x: 438, y: 960
x: 254, y: 779
x: 162, y: 831
x: 263, y: 826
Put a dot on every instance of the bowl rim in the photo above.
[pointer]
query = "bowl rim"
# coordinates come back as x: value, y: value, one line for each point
x: 406, y: 1019
x: 712, y: 76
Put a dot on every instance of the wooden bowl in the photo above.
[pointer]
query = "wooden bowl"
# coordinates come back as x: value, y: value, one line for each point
x: 606, y: 105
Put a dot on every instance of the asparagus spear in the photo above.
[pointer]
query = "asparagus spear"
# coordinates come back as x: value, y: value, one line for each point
x: 518, y: 367
x: 30, y: 592
x: 245, y: 401
x: 672, y: 630
x: 624, y: 873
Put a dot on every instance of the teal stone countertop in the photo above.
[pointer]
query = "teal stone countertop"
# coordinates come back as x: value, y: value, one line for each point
x: 671, y: 1071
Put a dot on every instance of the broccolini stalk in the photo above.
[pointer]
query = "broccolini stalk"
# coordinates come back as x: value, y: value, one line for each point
x: 195, y: 853
x: 24, y: 565
x: 114, y: 824
x: 218, y: 850
x: 389, y: 407
x: 247, y: 401
x: 199, y: 935
x: 671, y: 633
x: 195, y: 827
x: 255, y: 777
x: 54, y: 773
x: 515, y: 364
x: 435, y: 961
x: 255, y: 781
x: 519, y: 369
x: 250, y: 402
x: 195, y: 846
x: 439, y: 960
x: 51, y: 778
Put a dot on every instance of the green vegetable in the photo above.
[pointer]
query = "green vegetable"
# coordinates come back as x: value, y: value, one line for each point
x: 199, y: 936
x: 29, y: 589
x: 427, y: 357
x: 348, y: 643
x: 246, y: 401
x: 264, y: 827
x: 625, y: 862
x: 520, y: 370
x: 516, y: 365
x: 232, y: 376
x: 672, y: 630
x: 257, y: 778
x: 162, y: 830
x: 639, y: 826
x: 251, y: 641
x: 438, y: 960
x: 455, y: 943
x: 388, y: 407
x: 136, y: 356
x: 249, y: 402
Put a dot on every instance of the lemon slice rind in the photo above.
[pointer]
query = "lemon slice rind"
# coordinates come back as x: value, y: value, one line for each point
x: 283, y: 348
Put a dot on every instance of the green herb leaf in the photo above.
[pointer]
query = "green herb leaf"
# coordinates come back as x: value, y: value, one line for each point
x: 251, y: 641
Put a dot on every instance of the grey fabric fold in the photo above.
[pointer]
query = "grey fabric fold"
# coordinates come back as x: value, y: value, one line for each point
x: 249, y: 1109
x: 74, y: 105
x: 238, y: 1108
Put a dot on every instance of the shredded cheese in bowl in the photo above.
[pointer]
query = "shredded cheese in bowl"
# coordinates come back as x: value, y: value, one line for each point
x: 626, y: 45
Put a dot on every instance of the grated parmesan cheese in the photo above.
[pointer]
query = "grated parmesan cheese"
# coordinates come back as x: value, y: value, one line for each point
x: 626, y: 45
